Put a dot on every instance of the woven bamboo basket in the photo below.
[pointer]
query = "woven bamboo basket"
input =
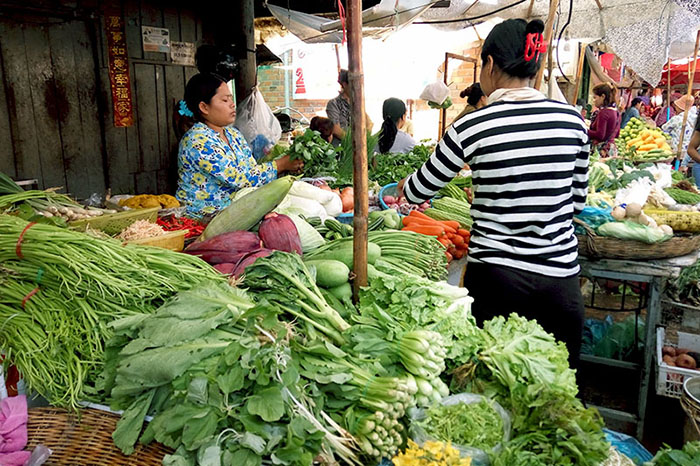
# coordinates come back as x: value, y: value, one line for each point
x: 592, y: 245
x: 85, y: 438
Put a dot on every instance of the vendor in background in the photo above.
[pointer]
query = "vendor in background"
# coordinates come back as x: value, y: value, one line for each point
x: 475, y: 99
x: 214, y: 159
x: 529, y: 157
x: 324, y: 126
x: 391, y: 138
x: 693, y: 153
x: 674, y: 127
x: 339, y: 111
x: 668, y: 111
x: 632, y: 112
x: 605, y: 122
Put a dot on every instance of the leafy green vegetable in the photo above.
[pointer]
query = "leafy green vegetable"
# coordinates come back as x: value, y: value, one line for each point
x: 319, y: 156
x: 688, y: 456
x: 475, y: 425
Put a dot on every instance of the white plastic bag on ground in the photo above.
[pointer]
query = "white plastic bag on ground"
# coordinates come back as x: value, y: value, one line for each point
x: 254, y: 118
x: 436, y: 92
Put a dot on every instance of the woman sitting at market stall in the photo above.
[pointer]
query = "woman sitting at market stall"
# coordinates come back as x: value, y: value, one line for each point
x: 214, y: 159
x: 605, y: 122
x: 391, y: 138
x: 529, y: 157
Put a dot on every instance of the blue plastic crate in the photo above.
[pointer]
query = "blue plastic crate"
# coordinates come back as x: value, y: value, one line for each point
x: 346, y: 218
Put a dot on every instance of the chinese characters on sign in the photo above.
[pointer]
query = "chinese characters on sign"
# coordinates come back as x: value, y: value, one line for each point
x: 119, y: 79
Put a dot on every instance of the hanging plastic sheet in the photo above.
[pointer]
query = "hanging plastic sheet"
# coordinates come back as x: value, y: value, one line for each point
x: 377, y: 21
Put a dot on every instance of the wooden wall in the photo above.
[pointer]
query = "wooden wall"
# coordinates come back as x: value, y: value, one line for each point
x: 56, y: 122
x: 143, y: 158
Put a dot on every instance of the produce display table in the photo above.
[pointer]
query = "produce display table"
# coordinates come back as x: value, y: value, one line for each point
x: 455, y: 272
x: 653, y: 272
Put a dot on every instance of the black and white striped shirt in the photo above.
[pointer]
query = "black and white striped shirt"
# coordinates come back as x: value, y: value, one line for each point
x: 529, y: 162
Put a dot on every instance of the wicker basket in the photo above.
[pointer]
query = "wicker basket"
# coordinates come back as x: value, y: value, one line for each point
x: 113, y: 224
x: 85, y: 438
x: 592, y: 245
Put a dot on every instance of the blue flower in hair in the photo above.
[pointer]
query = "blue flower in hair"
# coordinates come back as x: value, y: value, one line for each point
x: 184, y: 111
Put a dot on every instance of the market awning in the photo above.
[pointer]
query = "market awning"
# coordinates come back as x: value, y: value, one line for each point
x: 377, y: 21
x: 680, y: 70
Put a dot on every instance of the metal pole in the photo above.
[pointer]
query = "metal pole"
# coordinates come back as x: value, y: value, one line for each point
x: 691, y: 80
x: 359, y: 144
x: 548, y: 33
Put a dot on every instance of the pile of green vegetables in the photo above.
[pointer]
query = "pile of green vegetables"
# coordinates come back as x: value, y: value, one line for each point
x: 60, y: 290
x: 476, y: 425
x: 526, y: 370
x: 391, y: 168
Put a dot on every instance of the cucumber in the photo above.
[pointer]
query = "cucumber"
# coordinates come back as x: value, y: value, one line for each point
x: 343, y: 253
x: 342, y: 292
x: 329, y: 273
x: 335, y: 303
x: 246, y: 211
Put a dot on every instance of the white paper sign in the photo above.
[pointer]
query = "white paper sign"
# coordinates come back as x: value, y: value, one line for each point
x: 182, y: 53
x: 155, y: 39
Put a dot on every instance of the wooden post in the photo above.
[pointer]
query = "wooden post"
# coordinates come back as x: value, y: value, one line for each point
x: 597, y: 2
x: 579, y: 71
x: 246, y: 77
x: 691, y: 79
x: 550, y: 71
x: 529, y: 10
x: 359, y: 144
x: 548, y: 33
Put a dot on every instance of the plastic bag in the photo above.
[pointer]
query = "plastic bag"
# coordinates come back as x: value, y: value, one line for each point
x: 40, y: 455
x: 255, y: 119
x: 479, y: 457
x: 436, y: 92
x: 637, y: 191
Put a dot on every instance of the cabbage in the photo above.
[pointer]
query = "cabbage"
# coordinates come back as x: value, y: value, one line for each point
x: 310, y: 238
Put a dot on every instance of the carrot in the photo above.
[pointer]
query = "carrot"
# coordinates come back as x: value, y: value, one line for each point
x: 417, y: 214
x: 459, y: 253
x: 464, y: 246
x: 426, y: 230
x: 451, y: 224
x: 449, y: 256
x: 445, y: 242
x: 463, y: 232
x: 458, y: 240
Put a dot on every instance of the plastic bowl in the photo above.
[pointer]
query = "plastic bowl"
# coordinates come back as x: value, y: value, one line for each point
x: 346, y: 218
x: 389, y: 190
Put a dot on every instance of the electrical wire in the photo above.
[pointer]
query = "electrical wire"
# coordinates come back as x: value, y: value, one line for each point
x: 561, y: 34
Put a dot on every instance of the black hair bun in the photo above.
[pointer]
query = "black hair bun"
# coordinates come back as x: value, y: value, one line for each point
x: 536, y: 26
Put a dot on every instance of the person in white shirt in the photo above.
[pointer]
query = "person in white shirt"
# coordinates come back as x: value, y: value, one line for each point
x: 391, y: 138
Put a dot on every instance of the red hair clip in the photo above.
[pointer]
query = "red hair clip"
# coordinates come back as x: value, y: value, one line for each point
x: 534, y: 46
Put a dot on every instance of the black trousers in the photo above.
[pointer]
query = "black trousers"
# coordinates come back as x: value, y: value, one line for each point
x: 555, y: 303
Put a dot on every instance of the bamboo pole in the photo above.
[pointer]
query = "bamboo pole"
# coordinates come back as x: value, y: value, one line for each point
x: 691, y: 80
x: 359, y: 144
x: 548, y: 33
x: 550, y: 71
x: 579, y: 71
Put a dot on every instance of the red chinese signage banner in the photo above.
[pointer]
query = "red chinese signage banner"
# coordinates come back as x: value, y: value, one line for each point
x: 119, y: 79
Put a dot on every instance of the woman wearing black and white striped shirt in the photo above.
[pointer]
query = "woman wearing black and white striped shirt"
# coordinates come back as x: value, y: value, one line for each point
x: 529, y: 161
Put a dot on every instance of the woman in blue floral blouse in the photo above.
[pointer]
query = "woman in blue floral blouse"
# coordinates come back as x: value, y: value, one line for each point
x: 214, y: 159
